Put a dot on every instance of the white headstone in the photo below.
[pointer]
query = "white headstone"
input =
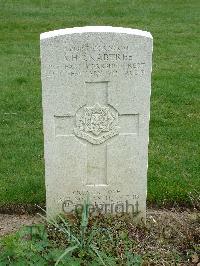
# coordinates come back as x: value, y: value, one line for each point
x: 96, y: 84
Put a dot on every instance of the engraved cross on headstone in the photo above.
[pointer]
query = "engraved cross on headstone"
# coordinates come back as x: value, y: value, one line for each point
x: 96, y: 123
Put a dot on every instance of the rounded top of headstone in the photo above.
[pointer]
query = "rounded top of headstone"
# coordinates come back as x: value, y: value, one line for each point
x: 97, y: 29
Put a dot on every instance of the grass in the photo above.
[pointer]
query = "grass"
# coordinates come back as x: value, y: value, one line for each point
x: 174, y: 128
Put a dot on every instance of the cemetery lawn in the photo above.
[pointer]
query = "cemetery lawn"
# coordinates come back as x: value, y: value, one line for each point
x: 173, y: 175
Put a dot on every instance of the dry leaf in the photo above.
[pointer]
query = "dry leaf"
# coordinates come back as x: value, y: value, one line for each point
x: 195, y: 258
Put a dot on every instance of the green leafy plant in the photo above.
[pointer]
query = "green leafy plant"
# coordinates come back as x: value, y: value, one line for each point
x: 82, y: 240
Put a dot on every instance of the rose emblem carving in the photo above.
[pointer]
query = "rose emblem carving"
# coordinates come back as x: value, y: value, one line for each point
x: 96, y: 123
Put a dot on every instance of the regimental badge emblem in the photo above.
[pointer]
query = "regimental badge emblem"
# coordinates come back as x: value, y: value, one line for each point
x: 96, y: 123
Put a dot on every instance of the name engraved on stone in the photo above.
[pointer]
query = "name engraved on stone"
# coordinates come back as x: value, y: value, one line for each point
x: 98, y: 64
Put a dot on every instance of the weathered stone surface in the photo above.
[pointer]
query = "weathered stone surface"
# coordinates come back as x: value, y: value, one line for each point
x: 96, y: 84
